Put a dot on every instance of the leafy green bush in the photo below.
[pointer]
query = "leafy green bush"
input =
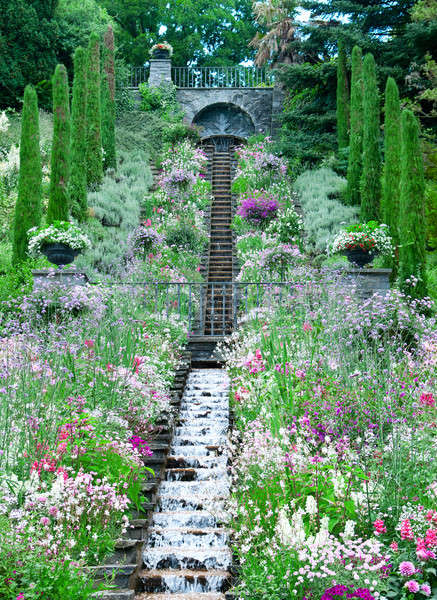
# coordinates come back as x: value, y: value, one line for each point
x: 324, y: 214
x: 160, y: 98
x: 185, y: 237
x: 175, y: 133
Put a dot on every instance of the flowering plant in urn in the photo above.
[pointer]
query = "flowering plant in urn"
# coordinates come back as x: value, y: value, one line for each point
x: 162, y: 47
x: 59, y: 232
x: 370, y: 237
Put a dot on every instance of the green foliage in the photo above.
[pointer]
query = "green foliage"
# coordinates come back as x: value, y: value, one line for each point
x: 94, y: 156
x: 28, y: 208
x: 185, y: 237
x: 412, y: 255
x: 108, y: 126
x: 342, y: 98
x: 324, y: 214
x: 176, y: 133
x: 108, y: 101
x: 76, y: 20
x: 27, y: 46
x: 309, y: 116
x: 115, y: 212
x: 431, y: 213
x: 59, y: 202
x: 200, y: 32
x: 370, y: 183
x: 160, y: 98
x: 356, y: 132
x: 78, y: 180
x: 392, y: 170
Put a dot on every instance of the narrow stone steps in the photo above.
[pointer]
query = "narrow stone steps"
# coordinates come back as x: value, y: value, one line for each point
x: 194, y: 596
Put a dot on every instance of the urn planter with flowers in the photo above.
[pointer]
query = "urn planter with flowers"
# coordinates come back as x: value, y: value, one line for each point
x: 60, y: 242
x: 362, y: 242
x: 161, y: 51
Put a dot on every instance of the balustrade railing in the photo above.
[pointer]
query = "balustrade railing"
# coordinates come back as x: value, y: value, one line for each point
x: 214, y: 308
x: 222, y: 77
x: 136, y: 76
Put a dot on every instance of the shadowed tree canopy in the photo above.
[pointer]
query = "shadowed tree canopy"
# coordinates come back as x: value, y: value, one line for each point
x: 28, y: 34
x: 201, y: 32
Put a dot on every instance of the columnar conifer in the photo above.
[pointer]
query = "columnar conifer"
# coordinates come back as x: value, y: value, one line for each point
x: 412, y: 250
x: 59, y: 201
x: 78, y: 179
x: 28, y: 207
x: 392, y: 168
x: 342, y: 98
x: 93, y: 112
x: 370, y: 184
x: 356, y: 129
x: 108, y: 100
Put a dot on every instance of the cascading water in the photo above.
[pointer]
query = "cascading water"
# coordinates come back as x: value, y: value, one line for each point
x: 187, y: 553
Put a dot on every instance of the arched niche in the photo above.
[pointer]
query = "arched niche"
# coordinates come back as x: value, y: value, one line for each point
x: 224, y: 119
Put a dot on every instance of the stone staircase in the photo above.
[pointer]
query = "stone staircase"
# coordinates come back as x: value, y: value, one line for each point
x: 218, y: 306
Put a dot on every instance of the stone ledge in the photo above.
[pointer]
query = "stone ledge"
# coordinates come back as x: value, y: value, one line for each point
x: 370, y: 281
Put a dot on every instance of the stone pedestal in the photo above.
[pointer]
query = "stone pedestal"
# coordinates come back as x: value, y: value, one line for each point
x: 160, y: 71
x: 44, y: 278
x: 370, y: 281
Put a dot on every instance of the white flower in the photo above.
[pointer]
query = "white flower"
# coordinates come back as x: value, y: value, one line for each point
x: 4, y: 122
x: 311, y: 505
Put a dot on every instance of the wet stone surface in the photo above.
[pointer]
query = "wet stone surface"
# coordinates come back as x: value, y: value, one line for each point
x: 187, y: 553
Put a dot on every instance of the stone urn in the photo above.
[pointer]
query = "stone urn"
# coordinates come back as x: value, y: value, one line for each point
x: 359, y: 257
x: 160, y: 53
x: 59, y: 254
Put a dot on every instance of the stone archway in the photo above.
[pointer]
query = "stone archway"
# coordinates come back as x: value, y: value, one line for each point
x: 224, y: 119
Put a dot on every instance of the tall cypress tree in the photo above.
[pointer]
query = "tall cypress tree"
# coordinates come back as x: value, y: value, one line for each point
x: 78, y: 179
x: 93, y: 113
x: 392, y: 166
x: 356, y: 129
x: 108, y: 100
x: 412, y: 250
x: 28, y: 209
x: 342, y: 98
x: 59, y: 200
x: 370, y: 185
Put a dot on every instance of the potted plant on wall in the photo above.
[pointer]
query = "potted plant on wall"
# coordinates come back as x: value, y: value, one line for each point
x: 362, y: 242
x: 60, y: 242
x: 161, y: 50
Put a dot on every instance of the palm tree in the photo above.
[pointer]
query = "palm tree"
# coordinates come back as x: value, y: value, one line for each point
x: 277, y: 16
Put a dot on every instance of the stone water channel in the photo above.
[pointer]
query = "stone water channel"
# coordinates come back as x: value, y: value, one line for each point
x: 187, y: 556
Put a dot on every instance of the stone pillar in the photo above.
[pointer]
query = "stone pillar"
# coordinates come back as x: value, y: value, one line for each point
x: 370, y: 281
x: 277, y: 107
x: 160, y: 71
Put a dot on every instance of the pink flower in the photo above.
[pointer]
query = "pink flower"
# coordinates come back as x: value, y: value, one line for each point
x: 20, y: 596
x: 412, y: 586
x: 406, y: 531
x: 44, y: 521
x: 407, y: 568
x: 426, y: 589
x: 307, y: 326
x: 427, y: 400
x: 394, y: 546
x: 379, y: 527
x: 89, y: 343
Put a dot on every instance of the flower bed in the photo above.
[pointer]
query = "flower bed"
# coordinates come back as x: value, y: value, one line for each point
x: 80, y: 400
x: 334, y: 484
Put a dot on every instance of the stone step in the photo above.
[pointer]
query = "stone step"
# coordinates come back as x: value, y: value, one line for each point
x: 170, y: 596
x: 153, y: 580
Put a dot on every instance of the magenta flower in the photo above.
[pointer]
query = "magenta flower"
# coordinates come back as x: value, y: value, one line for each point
x: 407, y: 568
x: 425, y: 589
x: 412, y: 586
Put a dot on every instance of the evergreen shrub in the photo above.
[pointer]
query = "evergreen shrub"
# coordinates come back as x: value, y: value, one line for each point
x: 78, y: 178
x: 323, y: 213
x: 356, y: 129
x: 59, y: 199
